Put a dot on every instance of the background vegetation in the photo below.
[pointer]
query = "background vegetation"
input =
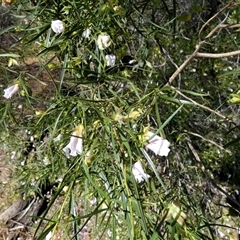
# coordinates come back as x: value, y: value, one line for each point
x: 181, y: 85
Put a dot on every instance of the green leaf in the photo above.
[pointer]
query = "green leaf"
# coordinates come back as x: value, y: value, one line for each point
x: 12, y: 55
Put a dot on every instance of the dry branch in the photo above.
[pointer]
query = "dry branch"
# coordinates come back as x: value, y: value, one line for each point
x: 207, y: 55
x: 13, y: 210
x: 217, y: 55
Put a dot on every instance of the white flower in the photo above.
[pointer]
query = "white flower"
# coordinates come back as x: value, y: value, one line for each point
x: 8, y: 92
x: 157, y: 144
x: 103, y: 41
x: 46, y: 160
x: 58, y: 138
x: 57, y: 26
x: 49, y: 236
x: 138, y: 172
x: 86, y: 33
x: 111, y: 59
x: 75, y: 146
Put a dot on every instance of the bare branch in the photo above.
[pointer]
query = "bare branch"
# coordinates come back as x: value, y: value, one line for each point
x: 217, y: 55
x: 171, y: 79
x: 200, y: 105
x: 196, y: 54
x: 214, y: 16
x: 208, y: 140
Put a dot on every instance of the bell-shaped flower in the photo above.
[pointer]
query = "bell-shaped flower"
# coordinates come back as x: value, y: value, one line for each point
x: 139, y: 173
x: 86, y: 33
x: 158, y: 145
x: 110, y: 59
x: 57, y: 26
x: 103, y: 41
x: 8, y: 92
x: 75, y: 146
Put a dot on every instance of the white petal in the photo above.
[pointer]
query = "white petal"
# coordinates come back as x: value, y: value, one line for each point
x: 86, y: 33
x: 58, y: 138
x: 139, y: 173
x: 103, y: 41
x: 49, y: 236
x: 158, y: 145
x: 79, y: 146
x: 111, y: 59
x: 57, y: 26
x: 8, y: 92
x: 74, y: 147
x: 66, y: 151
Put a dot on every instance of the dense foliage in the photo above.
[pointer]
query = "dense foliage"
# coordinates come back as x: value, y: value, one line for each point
x: 175, y: 75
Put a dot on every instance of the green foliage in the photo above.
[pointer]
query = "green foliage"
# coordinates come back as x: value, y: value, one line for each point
x: 72, y: 86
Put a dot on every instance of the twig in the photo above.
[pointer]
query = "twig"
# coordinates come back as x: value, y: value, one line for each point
x: 194, y: 54
x: 25, y: 210
x: 217, y: 55
x: 179, y: 70
x: 208, y: 140
x: 13, y: 210
x: 200, y: 105
x: 229, y: 26
x: 210, y: 19
x: 217, y: 27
